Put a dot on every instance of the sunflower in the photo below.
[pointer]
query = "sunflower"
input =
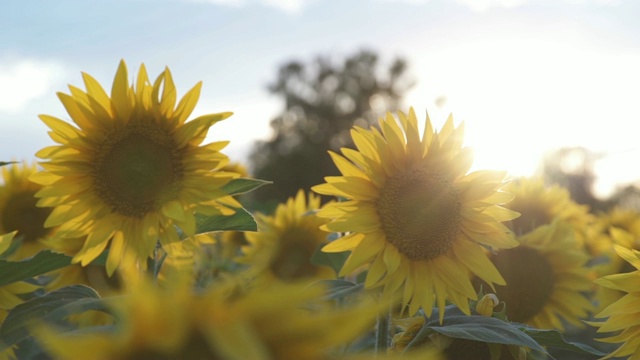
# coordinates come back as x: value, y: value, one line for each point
x: 415, y: 214
x: 238, y: 168
x: 621, y: 227
x: 93, y: 274
x: 222, y: 322
x: 232, y: 243
x: 132, y: 169
x: 18, y: 210
x: 623, y: 316
x: 540, y: 205
x: 201, y: 258
x: 283, y: 247
x: 546, y: 278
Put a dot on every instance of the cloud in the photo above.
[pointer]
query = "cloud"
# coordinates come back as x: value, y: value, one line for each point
x: 233, y: 3
x: 410, y: 2
x: 596, y: 2
x: 24, y: 80
x: 289, y: 6
x: 482, y: 5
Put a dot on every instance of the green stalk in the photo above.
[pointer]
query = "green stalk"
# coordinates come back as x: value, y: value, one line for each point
x: 382, y: 333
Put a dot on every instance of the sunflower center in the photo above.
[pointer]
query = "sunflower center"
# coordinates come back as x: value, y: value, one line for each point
x: 420, y: 213
x: 137, y: 169
x: 529, y: 278
x: 22, y: 214
x: 533, y: 214
x: 293, y: 257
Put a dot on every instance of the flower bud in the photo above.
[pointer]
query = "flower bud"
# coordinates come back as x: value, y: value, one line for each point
x: 486, y: 304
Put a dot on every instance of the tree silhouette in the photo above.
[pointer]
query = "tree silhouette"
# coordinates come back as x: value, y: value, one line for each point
x: 322, y: 101
x: 573, y: 168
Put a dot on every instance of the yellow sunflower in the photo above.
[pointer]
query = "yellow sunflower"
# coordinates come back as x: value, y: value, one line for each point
x: 540, y: 205
x: 93, y: 275
x: 133, y: 168
x: 232, y: 242
x: 238, y: 168
x: 415, y: 214
x: 283, y: 247
x: 620, y: 227
x: 546, y: 278
x: 222, y: 322
x: 201, y: 258
x: 623, y: 227
x: 18, y: 210
x: 623, y: 316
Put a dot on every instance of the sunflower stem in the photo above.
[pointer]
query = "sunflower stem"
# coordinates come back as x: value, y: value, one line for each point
x: 382, y: 333
x: 157, y: 261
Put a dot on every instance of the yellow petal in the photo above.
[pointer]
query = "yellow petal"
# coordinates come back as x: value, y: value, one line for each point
x: 120, y: 92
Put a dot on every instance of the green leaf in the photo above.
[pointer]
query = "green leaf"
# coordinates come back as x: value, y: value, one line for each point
x: 48, y: 307
x: 3, y: 163
x: 243, y: 185
x: 338, y: 289
x: 553, y: 338
x: 332, y: 260
x: 475, y: 327
x: 485, y: 329
x: 40, y: 263
x: 242, y: 220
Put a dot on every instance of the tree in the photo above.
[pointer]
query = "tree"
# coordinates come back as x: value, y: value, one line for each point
x: 322, y: 101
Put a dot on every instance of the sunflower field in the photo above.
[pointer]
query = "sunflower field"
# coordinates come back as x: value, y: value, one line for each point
x: 128, y: 240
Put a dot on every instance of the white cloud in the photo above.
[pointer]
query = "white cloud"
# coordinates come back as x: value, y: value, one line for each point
x: 596, y: 2
x: 410, y: 2
x: 24, y: 80
x: 482, y: 5
x: 289, y: 6
x: 234, y: 3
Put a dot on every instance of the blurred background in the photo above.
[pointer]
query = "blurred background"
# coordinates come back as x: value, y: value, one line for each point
x: 543, y: 87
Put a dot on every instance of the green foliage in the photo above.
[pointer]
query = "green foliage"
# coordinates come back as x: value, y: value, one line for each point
x: 554, y: 338
x: 475, y: 327
x: 53, y: 307
x: 496, y: 331
x: 3, y: 163
x: 339, y: 289
x: 243, y: 185
x: 242, y: 220
x: 332, y: 260
x: 40, y: 263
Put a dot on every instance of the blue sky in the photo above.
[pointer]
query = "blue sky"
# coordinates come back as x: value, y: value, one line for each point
x: 526, y: 76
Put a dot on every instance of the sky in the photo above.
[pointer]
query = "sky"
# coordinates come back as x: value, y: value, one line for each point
x: 524, y: 76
